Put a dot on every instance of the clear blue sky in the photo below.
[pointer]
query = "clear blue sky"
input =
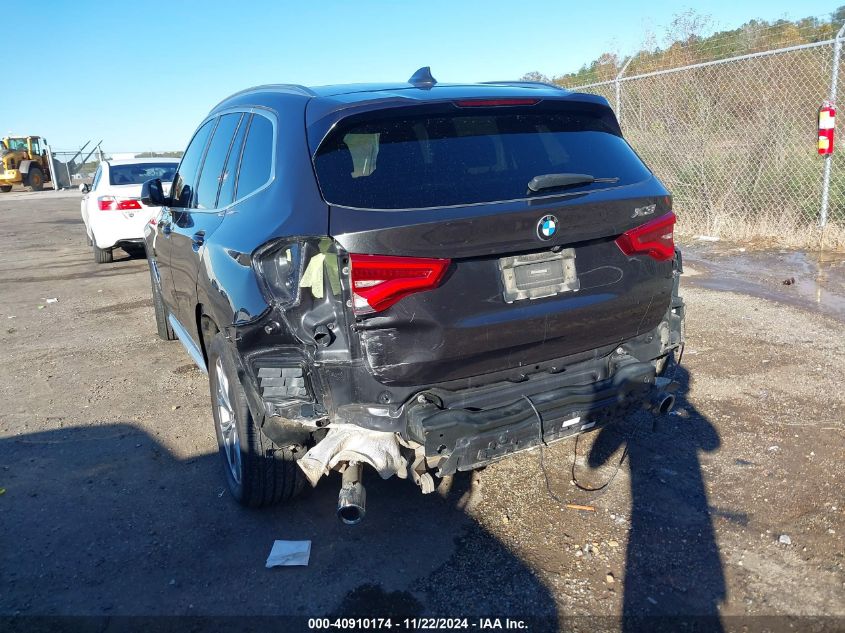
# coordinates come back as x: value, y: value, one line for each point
x: 141, y: 75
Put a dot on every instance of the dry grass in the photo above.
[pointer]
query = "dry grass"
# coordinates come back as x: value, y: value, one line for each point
x: 770, y: 230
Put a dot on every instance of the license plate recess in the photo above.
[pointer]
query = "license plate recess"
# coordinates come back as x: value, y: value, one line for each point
x: 538, y: 275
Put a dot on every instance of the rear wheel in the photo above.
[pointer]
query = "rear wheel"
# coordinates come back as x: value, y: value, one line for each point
x: 35, y: 179
x: 165, y: 332
x: 5, y: 188
x: 259, y: 473
x: 103, y: 255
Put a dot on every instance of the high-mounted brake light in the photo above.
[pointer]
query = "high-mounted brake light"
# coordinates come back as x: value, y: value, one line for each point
x: 655, y: 238
x: 486, y: 103
x: 379, y: 281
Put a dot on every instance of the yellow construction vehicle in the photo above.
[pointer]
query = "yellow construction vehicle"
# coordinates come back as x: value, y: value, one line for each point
x: 23, y: 161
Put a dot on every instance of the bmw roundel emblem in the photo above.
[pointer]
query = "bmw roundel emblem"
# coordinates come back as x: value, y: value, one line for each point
x: 547, y: 227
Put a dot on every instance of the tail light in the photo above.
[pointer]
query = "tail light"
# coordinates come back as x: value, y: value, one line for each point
x: 278, y: 266
x: 379, y: 281
x: 128, y: 205
x: 110, y: 203
x: 653, y: 238
x: 106, y: 203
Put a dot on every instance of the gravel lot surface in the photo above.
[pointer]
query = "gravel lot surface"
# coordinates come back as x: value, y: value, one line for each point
x: 114, y: 499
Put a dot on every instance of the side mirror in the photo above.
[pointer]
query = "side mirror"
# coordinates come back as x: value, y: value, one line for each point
x: 84, y: 188
x: 152, y: 194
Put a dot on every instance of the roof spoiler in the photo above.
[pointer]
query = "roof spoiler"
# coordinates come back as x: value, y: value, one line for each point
x: 526, y: 84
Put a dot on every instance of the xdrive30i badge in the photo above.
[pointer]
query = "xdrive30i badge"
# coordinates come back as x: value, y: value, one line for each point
x: 547, y: 227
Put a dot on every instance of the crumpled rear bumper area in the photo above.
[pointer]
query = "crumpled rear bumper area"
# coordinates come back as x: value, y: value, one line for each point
x: 484, y: 427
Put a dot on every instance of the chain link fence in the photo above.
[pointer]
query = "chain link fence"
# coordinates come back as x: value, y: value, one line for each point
x: 69, y: 170
x: 735, y: 142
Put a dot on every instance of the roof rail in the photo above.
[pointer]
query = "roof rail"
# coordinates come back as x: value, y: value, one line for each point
x: 527, y: 84
x: 294, y: 88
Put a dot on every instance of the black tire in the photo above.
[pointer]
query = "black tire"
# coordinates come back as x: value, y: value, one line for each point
x: 165, y: 332
x: 35, y: 179
x: 268, y: 472
x: 103, y: 255
x: 5, y: 188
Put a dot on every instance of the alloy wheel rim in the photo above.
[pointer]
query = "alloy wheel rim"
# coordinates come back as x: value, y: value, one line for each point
x: 226, y: 422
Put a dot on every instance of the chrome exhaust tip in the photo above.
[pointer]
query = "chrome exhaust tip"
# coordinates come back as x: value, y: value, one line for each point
x: 662, y: 403
x: 352, y: 498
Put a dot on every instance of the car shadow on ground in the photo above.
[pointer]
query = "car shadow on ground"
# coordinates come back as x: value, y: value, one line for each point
x: 104, y: 520
x: 673, y: 569
x: 127, y: 253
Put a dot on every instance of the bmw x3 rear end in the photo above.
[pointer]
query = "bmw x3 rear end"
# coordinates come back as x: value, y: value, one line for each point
x: 418, y: 278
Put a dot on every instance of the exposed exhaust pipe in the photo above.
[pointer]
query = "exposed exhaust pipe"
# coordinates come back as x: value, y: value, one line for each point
x: 352, y: 500
x: 662, y: 403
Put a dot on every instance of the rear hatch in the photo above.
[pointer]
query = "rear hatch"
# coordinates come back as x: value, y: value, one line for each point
x: 496, y: 275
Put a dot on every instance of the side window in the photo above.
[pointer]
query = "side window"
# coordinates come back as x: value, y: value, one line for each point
x: 257, y: 159
x: 97, y: 175
x: 230, y: 174
x: 183, y: 184
x: 215, y: 159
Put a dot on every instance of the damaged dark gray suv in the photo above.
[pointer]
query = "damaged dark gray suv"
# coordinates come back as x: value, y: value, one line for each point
x: 419, y: 277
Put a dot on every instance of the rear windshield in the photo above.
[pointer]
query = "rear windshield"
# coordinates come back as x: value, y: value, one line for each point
x: 137, y: 174
x: 392, y: 160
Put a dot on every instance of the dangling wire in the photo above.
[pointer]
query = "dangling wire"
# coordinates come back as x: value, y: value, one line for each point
x: 542, y: 447
x: 574, y: 478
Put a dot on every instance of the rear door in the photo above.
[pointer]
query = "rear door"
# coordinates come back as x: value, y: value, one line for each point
x: 531, y: 276
x: 182, y: 193
x: 194, y: 223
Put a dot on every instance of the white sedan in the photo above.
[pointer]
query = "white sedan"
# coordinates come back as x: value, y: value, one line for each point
x: 111, y: 207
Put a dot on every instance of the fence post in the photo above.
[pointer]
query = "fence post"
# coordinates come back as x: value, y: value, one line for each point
x: 618, y: 83
x: 53, y: 178
x: 834, y: 81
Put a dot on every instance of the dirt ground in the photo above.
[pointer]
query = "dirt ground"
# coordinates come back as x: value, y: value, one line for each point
x: 114, y: 499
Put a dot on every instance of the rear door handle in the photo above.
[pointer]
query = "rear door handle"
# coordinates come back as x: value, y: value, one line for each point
x: 198, y: 239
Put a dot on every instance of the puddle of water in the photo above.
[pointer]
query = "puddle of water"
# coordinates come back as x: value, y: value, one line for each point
x: 816, y: 280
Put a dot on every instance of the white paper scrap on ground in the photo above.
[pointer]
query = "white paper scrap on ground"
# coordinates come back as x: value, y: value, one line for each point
x: 286, y: 553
